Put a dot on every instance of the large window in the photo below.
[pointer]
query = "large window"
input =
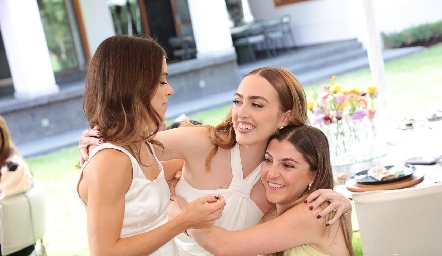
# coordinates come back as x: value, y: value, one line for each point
x: 126, y: 16
x: 5, y: 74
x: 57, y: 24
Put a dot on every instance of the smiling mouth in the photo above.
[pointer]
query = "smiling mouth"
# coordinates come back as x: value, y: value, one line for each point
x: 274, y: 185
x: 245, y: 127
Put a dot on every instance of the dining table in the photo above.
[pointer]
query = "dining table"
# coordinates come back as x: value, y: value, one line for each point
x: 423, y: 147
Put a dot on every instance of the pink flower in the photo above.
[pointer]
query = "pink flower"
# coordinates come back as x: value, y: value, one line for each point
x: 325, y: 87
x: 359, y: 114
x: 338, y: 114
x: 371, y: 113
x: 340, y: 98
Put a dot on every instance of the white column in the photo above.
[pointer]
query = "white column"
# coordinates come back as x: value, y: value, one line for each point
x: 374, y: 50
x: 98, y: 22
x: 26, y: 48
x: 210, y: 23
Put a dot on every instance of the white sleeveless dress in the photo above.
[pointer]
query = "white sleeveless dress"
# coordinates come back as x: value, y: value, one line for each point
x: 145, y: 201
x: 240, y: 211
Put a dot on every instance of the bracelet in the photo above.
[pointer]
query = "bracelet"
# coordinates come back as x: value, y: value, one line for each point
x: 187, y: 234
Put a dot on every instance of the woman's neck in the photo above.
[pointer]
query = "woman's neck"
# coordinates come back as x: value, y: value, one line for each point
x: 252, y: 155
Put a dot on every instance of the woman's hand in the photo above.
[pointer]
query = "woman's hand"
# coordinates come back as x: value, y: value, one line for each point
x: 88, y: 137
x: 338, y: 203
x: 201, y: 213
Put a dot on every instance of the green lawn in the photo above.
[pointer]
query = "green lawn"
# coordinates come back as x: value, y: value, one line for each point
x: 415, y: 89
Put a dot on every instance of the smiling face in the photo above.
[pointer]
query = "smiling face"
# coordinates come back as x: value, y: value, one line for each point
x: 285, y: 173
x: 163, y: 92
x: 256, y: 113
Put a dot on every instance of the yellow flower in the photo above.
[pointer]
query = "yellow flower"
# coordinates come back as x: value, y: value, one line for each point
x: 342, y: 106
x: 335, y: 88
x: 371, y: 89
x: 330, y: 115
x: 311, y: 104
x: 355, y: 91
x: 334, y: 78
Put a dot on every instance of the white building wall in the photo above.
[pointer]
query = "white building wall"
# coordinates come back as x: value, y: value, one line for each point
x: 26, y: 49
x: 396, y: 15
x: 98, y: 22
x: 319, y: 21
x: 210, y: 22
x: 312, y: 22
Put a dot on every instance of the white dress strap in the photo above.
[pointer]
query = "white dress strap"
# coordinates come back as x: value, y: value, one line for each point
x: 237, y: 171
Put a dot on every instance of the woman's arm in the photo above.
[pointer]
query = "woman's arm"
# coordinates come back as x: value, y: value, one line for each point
x: 106, y: 209
x: 172, y: 168
x: 182, y: 143
x: 295, y: 227
x: 337, y: 201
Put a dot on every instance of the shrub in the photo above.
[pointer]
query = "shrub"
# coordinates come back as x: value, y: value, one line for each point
x: 425, y: 34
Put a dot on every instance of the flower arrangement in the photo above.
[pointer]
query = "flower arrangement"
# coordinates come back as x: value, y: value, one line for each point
x: 336, y: 103
x: 346, y: 116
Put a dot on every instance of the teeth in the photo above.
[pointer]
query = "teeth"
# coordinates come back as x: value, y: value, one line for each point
x: 245, y: 126
x: 274, y: 185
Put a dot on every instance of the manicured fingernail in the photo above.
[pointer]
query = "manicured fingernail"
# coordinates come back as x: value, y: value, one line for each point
x: 327, y: 224
x: 85, y: 158
x: 100, y: 141
x: 305, y: 201
x: 311, y: 208
x: 98, y: 134
x: 319, y: 216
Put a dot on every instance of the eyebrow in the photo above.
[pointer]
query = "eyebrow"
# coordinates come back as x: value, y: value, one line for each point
x: 284, y: 159
x: 252, y: 97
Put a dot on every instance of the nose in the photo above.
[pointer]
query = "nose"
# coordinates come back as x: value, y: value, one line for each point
x: 273, y: 172
x: 169, y: 90
x: 243, y: 111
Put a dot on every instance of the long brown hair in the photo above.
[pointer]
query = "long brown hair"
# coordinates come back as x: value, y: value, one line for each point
x: 291, y: 96
x: 313, y: 145
x: 122, y: 77
x: 5, y: 147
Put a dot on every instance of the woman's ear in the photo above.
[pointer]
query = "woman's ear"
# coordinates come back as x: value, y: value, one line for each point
x: 313, y: 176
x: 286, y: 118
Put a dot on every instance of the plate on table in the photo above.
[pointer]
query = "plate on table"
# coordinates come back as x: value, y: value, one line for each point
x: 362, y: 177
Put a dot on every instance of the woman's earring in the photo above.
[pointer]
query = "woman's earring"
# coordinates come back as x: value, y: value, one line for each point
x: 277, y: 130
x: 310, y: 185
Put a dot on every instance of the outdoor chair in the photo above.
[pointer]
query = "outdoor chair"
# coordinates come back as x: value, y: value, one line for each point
x: 23, y: 219
x: 404, y: 222
x: 287, y: 28
x: 183, y: 47
x: 253, y: 35
x: 274, y: 32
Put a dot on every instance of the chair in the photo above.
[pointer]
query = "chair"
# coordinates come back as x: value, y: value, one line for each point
x: 183, y: 47
x: 287, y: 27
x: 23, y: 219
x: 400, y: 222
x: 253, y: 35
x: 275, y: 31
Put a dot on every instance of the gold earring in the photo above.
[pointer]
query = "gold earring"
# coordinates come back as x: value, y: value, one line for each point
x: 310, y: 186
x: 277, y: 130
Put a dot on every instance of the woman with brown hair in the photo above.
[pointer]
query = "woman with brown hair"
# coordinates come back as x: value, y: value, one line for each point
x: 15, y: 179
x: 296, y: 163
x: 226, y: 159
x: 123, y: 185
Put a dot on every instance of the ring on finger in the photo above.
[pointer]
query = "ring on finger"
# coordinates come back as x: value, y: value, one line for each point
x: 336, y: 208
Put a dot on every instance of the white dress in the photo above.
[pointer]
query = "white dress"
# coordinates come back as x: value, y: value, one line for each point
x: 240, y: 211
x: 145, y: 201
